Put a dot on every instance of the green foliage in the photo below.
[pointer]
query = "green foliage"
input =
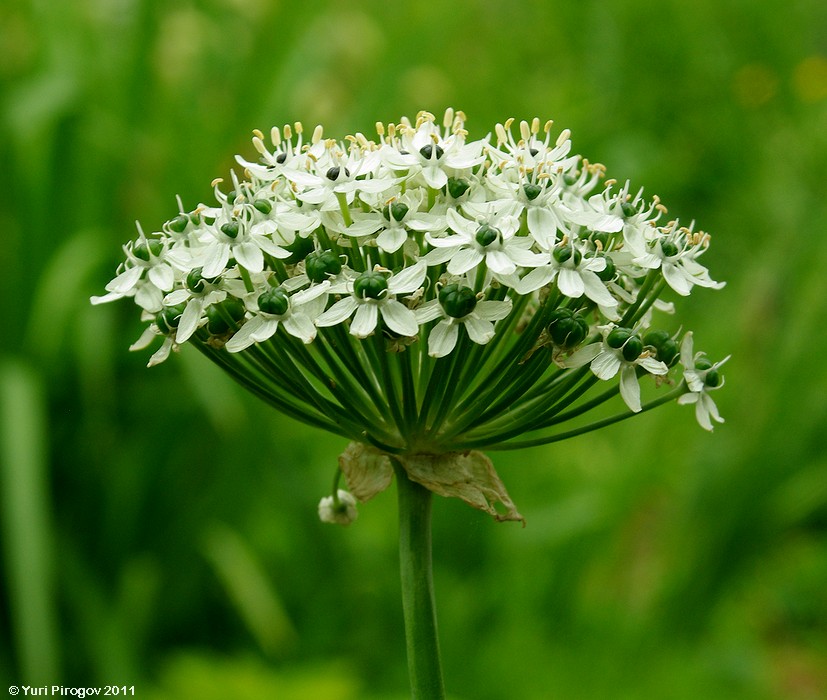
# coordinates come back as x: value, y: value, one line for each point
x: 146, y: 512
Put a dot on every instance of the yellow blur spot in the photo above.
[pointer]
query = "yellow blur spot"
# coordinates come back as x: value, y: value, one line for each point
x: 754, y: 85
x: 810, y: 79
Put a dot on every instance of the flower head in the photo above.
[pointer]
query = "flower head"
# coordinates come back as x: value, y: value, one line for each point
x: 426, y: 295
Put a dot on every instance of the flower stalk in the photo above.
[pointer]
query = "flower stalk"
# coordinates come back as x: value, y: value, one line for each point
x: 416, y: 570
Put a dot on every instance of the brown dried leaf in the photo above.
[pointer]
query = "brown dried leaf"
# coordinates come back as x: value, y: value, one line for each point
x: 367, y: 470
x: 469, y: 476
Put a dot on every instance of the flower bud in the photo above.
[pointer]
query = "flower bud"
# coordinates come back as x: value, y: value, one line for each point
x: 334, y: 172
x: 618, y: 336
x: 370, y: 285
x: 669, y: 248
x: 167, y: 320
x: 628, y: 209
x: 486, y: 235
x: 300, y: 248
x: 143, y: 250
x: 567, y: 328
x: 178, y: 224
x: 457, y: 186
x: 564, y: 253
x: 607, y: 273
x: 219, y: 315
x: 397, y: 210
x: 321, y: 265
x: 632, y: 348
x: 274, y: 301
x: 428, y: 151
x: 196, y: 282
x: 230, y: 229
x: 532, y: 191
x: 665, y: 346
x: 457, y: 301
x: 340, y: 510
x: 712, y: 378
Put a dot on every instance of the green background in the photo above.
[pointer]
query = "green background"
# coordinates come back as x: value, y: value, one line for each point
x: 159, y: 526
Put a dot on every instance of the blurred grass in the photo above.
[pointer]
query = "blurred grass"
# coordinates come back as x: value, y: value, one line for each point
x: 658, y: 561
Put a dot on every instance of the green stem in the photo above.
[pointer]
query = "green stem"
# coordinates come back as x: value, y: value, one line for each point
x: 424, y: 667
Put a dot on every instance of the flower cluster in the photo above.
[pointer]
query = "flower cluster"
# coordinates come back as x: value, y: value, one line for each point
x: 424, y: 293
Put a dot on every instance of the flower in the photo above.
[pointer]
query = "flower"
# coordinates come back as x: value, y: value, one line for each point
x: 426, y: 295
x: 458, y: 306
x: 702, y: 377
x: 374, y: 293
x: 621, y: 350
x: 339, y: 509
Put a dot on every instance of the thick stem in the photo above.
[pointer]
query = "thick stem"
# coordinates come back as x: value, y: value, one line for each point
x: 424, y: 666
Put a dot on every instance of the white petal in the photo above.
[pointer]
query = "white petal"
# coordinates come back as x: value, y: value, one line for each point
x: 145, y: 340
x: 570, y: 283
x: 125, y: 281
x: 677, y: 279
x: 364, y: 322
x: 266, y: 329
x: 584, y: 355
x: 542, y: 226
x: 538, y: 277
x: 399, y: 318
x: 435, y: 177
x: 106, y: 298
x: 499, y: 263
x: 428, y: 312
x: 179, y: 296
x: 443, y: 338
x: 479, y: 330
x: 149, y: 297
x: 596, y: 290
x: 249, y: 255
x: 392, y: 239
x: 162, y: 277
x: 189, y: 320
x: 464, y: 260
x: 365, y: 227
x: 216, y: 259
x: 606, y: 364
x: 629, y: 388
x: 161, y: 354
x: 243, y: 338
x: 492, y: 310
x: 410, y: 279
x: 337, y: 313
x: 300, y: 326
x: 653, y: 366
x: 702, y: 415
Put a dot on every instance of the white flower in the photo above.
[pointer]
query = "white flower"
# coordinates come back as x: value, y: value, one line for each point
x: 458, y: 306
x: 701, y: 377
x: 425, y: 152
x: 490, y: 238
x: 340, y: 510
x: 576, y: 275
x: 146, y: 276
x: 675, y: 254
x: 374, y: 293
x: 620, y: 351
x: 273, y: 306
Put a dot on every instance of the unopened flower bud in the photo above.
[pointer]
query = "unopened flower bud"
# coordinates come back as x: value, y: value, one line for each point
x: 274, y: 301
x: 322, y: 264
x: 457, y: 301
x: 340, y: 510
x: 567, y: 328
x: 370, y: 285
